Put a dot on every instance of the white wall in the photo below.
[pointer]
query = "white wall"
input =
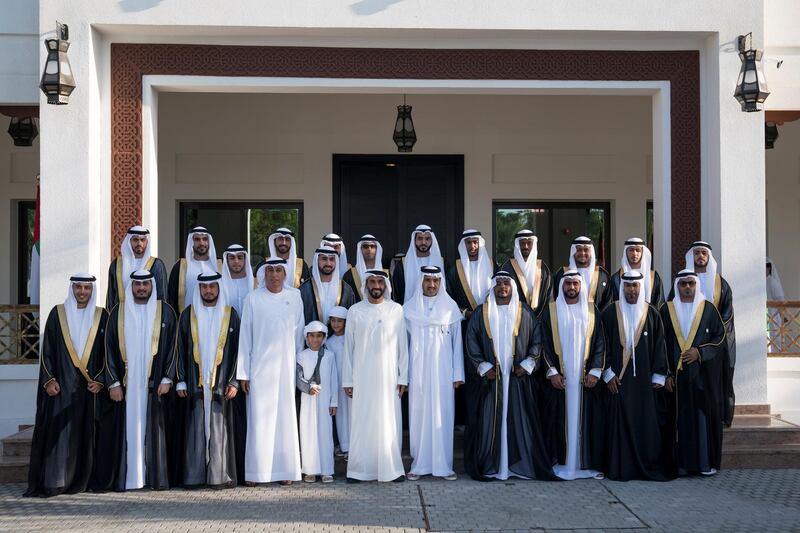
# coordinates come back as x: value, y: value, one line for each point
x: 782, y: 41
x: 20, y: 45
x: 515, y: 147
x: 783, y: 207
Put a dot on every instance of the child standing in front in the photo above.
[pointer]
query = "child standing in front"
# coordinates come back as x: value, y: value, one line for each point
x: 335, y: 343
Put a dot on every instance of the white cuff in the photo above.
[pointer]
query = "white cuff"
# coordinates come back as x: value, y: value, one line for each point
x: 529, y: 364
x: 166, y: 381
x: 659, y: 379
x: 608, y: 375
x: 181, y: 386
x: 114, y: 385
x: 484, y: 367
x: 596, y: 372
x: 552, y: 372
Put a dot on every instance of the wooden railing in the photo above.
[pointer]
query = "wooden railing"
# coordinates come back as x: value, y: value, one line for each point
x: 783, y: 328
x: 19, y: 334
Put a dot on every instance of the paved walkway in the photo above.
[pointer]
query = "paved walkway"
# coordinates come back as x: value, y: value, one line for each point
x: 743, y: 500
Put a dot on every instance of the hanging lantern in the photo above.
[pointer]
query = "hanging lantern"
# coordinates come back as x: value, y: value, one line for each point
x: 57, y: 80
x: 770, y: 135
x: 404, y: 135
x: 751, y: 88
x: 23, y: 131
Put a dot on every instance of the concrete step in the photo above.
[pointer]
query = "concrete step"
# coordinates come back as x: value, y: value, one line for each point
x: 13, y: 469
x: 756, y: 457
x: 18, y: 444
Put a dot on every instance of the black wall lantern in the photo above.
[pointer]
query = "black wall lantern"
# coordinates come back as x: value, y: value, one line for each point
x: 404, y: 135
x: 770, y: 135
x: 23, y: 131
x: 57, y: 80
x: 751, y: 88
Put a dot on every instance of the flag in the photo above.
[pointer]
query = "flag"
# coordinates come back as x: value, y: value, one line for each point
x: 33, y: 280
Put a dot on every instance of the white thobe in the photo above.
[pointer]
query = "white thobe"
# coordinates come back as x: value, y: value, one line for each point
x: 270, y: 335
x: 336, y: 345
x: 208, y: 356
x: 573, y: 355
x: 316, y: 427
x: 242, y: 288
x: 137, y: 349
x: 436, y: 361
x: 375, y: 363
x: 328, y: 294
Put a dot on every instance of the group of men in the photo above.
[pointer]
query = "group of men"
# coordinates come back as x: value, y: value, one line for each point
x: 191, y: 379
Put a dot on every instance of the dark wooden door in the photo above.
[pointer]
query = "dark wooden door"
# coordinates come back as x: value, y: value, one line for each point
x: 388, y: 196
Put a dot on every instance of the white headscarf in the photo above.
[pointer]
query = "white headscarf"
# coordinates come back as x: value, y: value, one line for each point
x: 502, y: 341
x: 774, y: 286
x: 338, y: 312
x: 130, y: 263
x: 480, y: 285
x: 686, y: 311
x: 528, y: 266
x: 138, y: 321
x: 326, y: 292
x: 330, y: 240
x: 194, y: 267
x: 573, y: 324
x: 707, y: 279
x: 413, y: 264
x: 228, y: 282
x: 646, y: 264
x: 361, y: 266
x: 315, y: 326
x: 387, y: 295
x: 444, y: 310
x: 262, y: 271
x: 79, y: 321
x: 209, y: 322
x: 291, y: 262
x: 632, y: 313
x: 586, y: 273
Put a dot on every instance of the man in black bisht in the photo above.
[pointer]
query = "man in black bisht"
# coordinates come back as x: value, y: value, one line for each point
x: 71, y: 364
x: 695, y: 339
x: 208, y: 346
x: 504, y: 435
x: 636, y: 367
x: 134, y: 254
x: 531, y: 274
x: 140, y: 371
x: 325, y: 289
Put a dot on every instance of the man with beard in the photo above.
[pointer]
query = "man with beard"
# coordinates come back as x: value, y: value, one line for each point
x: 375, y: 376
x: 369, y: 256
x: 140, y: 371
x: 530, y: 273
x: 423, y: 250
x: 636, y: 367
x: 70, y: 376
x: 695, y: 340
x: 200, y: 255
x: 636, y: 257
x: 134, y: 255
x: 334, y: 241
x: 574, y: 352
x: 469, y: 278
x: 282, y: 245
x: 325, y: 290
x: 237, y: 276
x: 595, y: 279
x: 207, y: 346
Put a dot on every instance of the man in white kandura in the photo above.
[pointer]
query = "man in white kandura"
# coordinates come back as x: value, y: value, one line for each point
x: 436, y: 369
x: 375, y: 375
x: 270, y: 336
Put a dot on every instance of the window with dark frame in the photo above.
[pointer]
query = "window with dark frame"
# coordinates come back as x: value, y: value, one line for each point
x: 245, y: 223
x: 556, y: 224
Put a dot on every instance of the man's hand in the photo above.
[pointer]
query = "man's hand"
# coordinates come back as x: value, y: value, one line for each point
x: 313, y: 390
x: 182, y: 393
x: 332, y: 411
x: 94, y: 387
x: 231, y: 392
x: 590, y: 381
x: 657, y: 386
x: 457, y: 384
x: 401, y: 389
x: 669, y: 385
x: 163, y: 388
x: 244, y: 384
x: 348, y: 391
x: 613, y: 385
x: 116, y: 394
x: 557, y: 381
x: 52, y: 388
x: 490, y: 374
x: 519, y: 372
x: 468, y: 313
x: 691, y: 355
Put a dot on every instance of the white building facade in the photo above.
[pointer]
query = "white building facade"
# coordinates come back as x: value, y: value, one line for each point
x: 191, y: 111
